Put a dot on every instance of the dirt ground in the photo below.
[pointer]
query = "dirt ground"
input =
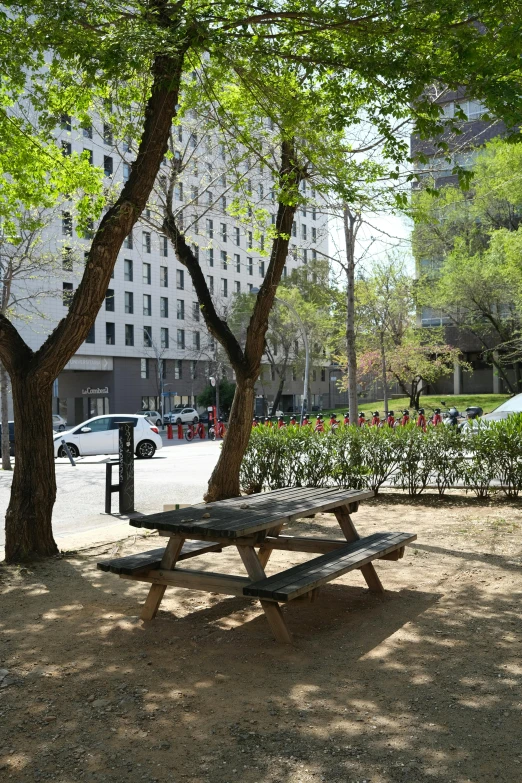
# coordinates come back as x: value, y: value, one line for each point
x: 421, y: 685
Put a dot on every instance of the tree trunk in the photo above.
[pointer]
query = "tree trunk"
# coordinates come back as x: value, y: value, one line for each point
x: 383, y: 370
x: 28, y: 520
x: 224, y: 481
x: 6, y: 460
x: 350, y: 232
x: 279, y: 392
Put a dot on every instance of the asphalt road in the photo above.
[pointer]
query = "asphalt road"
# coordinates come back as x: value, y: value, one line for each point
x: 178, y: 473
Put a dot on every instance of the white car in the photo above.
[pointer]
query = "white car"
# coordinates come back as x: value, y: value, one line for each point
x: 59, y: 423
x: 507, y: 408
x: 154, y: 416
x: 100, y: 436
x: 182, y: 416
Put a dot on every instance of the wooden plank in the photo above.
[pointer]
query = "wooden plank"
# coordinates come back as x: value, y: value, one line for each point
x: 265, y: 551
x: 157, y: 591
x: 368, y: 571
x: 232, y: 521
x: 303, y: 544
x: 272, y: 611
x: 322, y: 569
x: 208, y: 581
x: 144, y: 561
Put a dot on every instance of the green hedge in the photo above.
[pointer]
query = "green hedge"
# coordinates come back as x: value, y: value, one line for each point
x: 405, y: 457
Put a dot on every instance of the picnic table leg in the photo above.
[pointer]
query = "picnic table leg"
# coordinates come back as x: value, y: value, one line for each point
x: 156, y: 592
x: 350, y: 533
x: 272, y: 610
x: 265, y: 551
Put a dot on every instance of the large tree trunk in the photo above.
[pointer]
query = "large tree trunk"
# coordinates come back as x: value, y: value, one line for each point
x: 33, y: 492
x: 224, y: 481
x: 6, y: 460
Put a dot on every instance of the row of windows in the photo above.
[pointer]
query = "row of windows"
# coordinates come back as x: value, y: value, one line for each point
x: 147, y: 337
x: 147, y: 372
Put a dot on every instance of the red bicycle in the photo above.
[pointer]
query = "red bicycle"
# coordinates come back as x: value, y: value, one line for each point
x: 376, y: 419
x: 421, y: 419
x: 192, y: 431
x: 319, y: 424
x: 217, y: 431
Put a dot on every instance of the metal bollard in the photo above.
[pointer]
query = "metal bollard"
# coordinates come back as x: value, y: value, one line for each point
x: 180, y: 431
x: 170, y: 434
x: 68, y: 452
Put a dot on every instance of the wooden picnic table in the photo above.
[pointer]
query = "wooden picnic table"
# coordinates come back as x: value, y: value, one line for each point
x: 253, y: 523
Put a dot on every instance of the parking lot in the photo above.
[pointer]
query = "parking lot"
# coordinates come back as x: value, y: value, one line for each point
x: 178, y: 473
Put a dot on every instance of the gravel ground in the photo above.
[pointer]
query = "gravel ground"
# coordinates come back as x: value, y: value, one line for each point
x: 422, y: 685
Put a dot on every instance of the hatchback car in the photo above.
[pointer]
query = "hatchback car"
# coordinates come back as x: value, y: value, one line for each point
x: 506, y: 409
x: 182, y: 416
x: 154, y: 416
x: 59, y: 423
x: 100, y: 436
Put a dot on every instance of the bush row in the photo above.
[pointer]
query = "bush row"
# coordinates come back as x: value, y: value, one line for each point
x: 405, y: 457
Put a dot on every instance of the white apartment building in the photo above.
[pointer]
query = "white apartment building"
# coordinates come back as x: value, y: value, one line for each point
x: 149, y: 339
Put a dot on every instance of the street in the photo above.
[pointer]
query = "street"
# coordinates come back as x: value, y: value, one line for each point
x: 177, y: 474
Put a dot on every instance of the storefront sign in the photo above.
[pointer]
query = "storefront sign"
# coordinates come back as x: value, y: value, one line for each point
x: 88, y: 390
x: 103, y: 363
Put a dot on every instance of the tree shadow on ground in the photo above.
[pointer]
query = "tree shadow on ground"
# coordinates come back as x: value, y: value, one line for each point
x: 421, y: 685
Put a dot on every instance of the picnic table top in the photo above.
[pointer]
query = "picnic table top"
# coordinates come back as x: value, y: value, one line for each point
x: 243, y: 516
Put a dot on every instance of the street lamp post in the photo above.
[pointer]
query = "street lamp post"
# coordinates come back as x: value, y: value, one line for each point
x: 306, y: 347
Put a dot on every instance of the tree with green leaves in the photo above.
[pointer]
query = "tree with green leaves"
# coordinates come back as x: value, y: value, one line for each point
x: 65, y: 58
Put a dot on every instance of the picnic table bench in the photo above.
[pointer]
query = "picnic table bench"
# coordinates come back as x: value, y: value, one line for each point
x: 254, y: 523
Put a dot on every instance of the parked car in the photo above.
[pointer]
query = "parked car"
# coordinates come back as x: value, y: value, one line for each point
x: 100, y: 436
x: 182, y: 416
x: 59, y: 423
x: 11, y: 438
x: 154, y: 416
x: 507, y: 408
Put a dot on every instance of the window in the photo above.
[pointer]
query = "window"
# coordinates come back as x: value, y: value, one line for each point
x: 294, y: 374
x: 88, y: 154
x: 314, y: 213
x: 272, y: 373
x: 129, y: 302
x: 181, y: 338
x: 87, y: 131
x: 180, y: 279
x: 128, y: 242
x: 109, y: 300
x: 110, y: 334
x: 164, y: 277
x: 314, y: 234
x: 108, y: 166
x: 89, y: 229
x: 66, y: 148
x: 250, y: 262
x: 196, y: 341
x: 164, y: 307
x: 294, y: 229
x: 164, y: 337
x: 91, y: 337
x: 193, y: 140
x: 250, y: 287
x: 314, y: 375
x: 285, y: 271
x: 193, y: 370
x: 305, y: 256
x: 65, y: 122
x: 303, y: 231
x: 147, y: 337
x: 323, y: 374
x: 250, y: 239
x: 314, y: 255
x: 237, y: 261
x: 296, y: 347
x: 224, y: 287
x: 164, y: 246
x: 210, y: 256
x: 237, y: 285
x: 67, y: 224
x: 126, y: 171
x: 67, y: 294
x: 146, y: 243
x: 67, y: 259
x: 144, y: 368
x: 237, y: 236
x: 194, y: 195
x: 262, y: 268
x: 179, y: 191
x: 127, y: 270
x: 195, y: 251
x: 224, y: 259
x: 195, y: 311
x: 107, y: 134
x: 224, y: 232
x: 210, y: 283
x: 129, y: 334
x: 303, y: 211
x: 147, y: 304
x: 261, y: 191
x: 178, y: 370
x: 180, y: 309
x: 146, y: 273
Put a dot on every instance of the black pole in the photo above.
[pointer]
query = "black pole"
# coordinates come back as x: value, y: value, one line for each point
x: 126, y: 466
